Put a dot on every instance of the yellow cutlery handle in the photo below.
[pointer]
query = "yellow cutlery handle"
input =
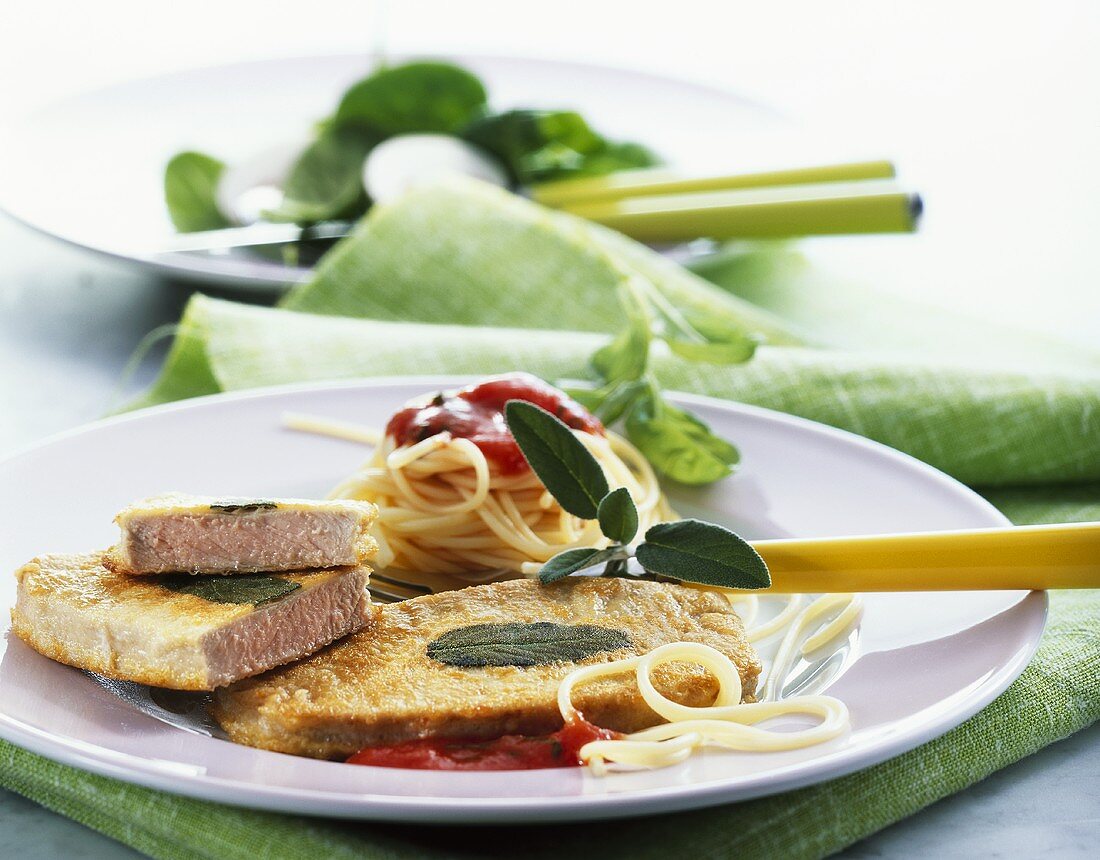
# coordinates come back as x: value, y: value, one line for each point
x: 1027, y: 557
x: 870, y: 206
x: 647, y: 183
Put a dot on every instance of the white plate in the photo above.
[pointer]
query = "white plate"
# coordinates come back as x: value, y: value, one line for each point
x: 90, y: 169
x: 923, y: 663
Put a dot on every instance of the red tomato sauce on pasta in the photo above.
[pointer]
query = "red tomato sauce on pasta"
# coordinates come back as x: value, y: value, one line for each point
x: 477, y: 413
x: 510, y: 752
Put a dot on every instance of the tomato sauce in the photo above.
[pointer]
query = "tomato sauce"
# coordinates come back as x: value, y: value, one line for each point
x: 477, y: 413
x: 510, y: 752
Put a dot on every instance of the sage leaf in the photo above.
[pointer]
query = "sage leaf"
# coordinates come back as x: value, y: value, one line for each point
x: 190, y: 191
x: 243, y: 506
x: 705, y: 553
x: 325, y: 182
x: 538, y: 643
x: 618, y: 516
x: 415, y: 97
x: 566, y: 468
x: 678, y: 444
x: 572, y: 560
x: 238, y: 588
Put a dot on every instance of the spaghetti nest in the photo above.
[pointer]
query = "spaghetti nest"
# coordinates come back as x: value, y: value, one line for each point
x: 444, y: 508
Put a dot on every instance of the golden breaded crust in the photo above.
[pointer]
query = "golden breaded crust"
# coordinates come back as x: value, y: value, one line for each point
x: 73, y: 609
x: 379, y: 686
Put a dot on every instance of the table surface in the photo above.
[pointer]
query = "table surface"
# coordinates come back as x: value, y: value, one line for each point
x: 993, y: 110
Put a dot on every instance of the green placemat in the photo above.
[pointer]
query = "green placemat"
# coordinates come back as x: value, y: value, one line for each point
x: 1010, y: 413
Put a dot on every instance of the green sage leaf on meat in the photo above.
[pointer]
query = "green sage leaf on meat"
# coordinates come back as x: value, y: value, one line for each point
x: 705, y: 553
x: 243, y: 506
x: 560, y: 460
x: 237, y: 588
x: 539, y: 643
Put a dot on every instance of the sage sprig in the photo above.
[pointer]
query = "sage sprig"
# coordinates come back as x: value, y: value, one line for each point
x: 678, y: 444
x: 687, y: 550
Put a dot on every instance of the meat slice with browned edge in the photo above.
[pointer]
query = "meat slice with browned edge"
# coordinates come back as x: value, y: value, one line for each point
x: 388, y: 683
x: 180, y: 631
x: 197, y: 534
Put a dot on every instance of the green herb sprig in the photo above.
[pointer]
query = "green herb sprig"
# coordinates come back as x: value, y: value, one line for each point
x: 678, y: 444
x: 687, y: 550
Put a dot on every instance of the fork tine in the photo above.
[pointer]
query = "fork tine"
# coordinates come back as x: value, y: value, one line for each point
x: 392, y: 591
x: 401, y: 583
x: 379, y: 597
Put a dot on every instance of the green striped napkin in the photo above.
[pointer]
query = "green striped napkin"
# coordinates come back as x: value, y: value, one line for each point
x: 1012, y: 414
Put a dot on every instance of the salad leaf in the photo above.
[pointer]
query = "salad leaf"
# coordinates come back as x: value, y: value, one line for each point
x: 325, y: 182
x: 677, y: 443
x: 618, y: 156
x: 538, y: 145
x: 190, y: 189
x: 415, y: 97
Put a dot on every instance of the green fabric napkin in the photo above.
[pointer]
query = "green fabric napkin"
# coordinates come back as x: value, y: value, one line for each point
x: 981, y: 424
x: 1008, y: 412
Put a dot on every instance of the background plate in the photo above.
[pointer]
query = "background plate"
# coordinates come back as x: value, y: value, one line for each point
x: 925, y: 662
x: 107, y: 193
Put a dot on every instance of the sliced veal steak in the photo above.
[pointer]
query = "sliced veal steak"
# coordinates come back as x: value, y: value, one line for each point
x: 382, y: 686
x: 179, y: 631
x: 195, y: 534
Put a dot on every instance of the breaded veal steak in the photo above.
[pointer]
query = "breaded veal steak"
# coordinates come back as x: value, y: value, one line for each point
x: 198, y: 534
x: 380, y: 687
x: 73, y: 609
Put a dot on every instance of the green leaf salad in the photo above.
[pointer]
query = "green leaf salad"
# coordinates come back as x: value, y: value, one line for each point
x: 325, y: 181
